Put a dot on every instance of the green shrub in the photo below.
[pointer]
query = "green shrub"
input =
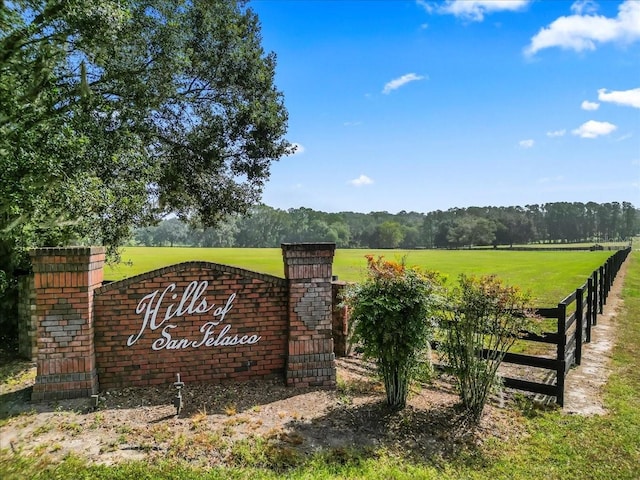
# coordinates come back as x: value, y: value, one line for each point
x: 481, y: 322
x: 390, y: 312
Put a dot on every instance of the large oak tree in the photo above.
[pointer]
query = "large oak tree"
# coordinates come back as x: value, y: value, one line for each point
x: 113, y: 114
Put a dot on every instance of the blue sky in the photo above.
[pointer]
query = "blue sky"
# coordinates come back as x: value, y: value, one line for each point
x: 420, y: 105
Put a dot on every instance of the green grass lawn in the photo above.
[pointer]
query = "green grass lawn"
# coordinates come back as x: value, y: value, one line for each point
x: 550, y: 276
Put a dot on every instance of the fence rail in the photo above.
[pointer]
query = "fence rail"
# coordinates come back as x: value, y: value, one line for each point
x: 575, y: 315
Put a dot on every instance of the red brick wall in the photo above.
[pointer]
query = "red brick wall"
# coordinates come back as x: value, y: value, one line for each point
x: 128, y: 354
x: 64, y: 280
x: 339, y: 320
x: 311, y: 360
x: 27, y: 318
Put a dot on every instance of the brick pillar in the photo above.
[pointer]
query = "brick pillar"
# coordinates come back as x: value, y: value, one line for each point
x: 27, y: 320
x: 65, y: 279
x: 310, y: 360
x: 340, y: 320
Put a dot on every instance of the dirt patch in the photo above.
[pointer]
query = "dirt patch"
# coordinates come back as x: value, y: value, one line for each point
x: 219, y: 422
x: 584, y: 384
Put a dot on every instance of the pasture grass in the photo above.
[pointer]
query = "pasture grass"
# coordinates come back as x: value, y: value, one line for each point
x: 596, y: 447
x: 548, y: 275
x: 556, y: 445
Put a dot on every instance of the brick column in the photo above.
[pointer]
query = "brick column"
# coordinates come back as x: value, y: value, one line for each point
x: 340, y: 320
x: 310, y: 361
x: 65, y: 279
x: 27, y: 321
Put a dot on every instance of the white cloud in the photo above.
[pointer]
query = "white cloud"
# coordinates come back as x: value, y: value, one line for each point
x: 629, y: 98
x: 586, y: 105
x: 428, y: 6
x: 473, y: 10
x: 400, y: 81
x: 361, y: 181
x: 556, y: 133
x: 352, y: 124
x: 584, y: 6
x: 593, y: 129
x: 583, y: 30
x: 526, y: 143
x: 299, y: 149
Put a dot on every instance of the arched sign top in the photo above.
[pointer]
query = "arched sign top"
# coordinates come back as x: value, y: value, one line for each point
x: 215, y: 268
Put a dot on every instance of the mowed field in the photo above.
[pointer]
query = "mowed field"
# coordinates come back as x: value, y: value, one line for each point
x: 548, y: 275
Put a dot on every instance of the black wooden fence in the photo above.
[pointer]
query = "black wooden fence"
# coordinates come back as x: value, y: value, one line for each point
x: 575, y: 315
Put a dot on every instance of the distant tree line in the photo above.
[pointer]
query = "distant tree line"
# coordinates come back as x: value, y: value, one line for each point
x: 264, y: 226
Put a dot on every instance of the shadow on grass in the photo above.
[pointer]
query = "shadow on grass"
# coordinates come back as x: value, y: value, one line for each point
x: 358, y: 424
x: 17, y: 377
x: 15, y: 402
x: 420, y: 434
x: 221, y: 399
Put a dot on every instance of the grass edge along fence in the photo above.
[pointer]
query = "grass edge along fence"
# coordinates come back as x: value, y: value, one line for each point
x: 575, y: 316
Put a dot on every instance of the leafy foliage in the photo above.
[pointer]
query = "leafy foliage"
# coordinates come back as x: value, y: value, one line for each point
x: 481, y: 322
x: 115, y: 114
x: 391, y: 313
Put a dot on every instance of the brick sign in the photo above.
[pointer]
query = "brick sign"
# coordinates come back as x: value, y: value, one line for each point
x: 208, y: 322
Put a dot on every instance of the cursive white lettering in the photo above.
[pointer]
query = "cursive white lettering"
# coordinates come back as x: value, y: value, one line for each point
x: 167, y: 342
x: 193, y: 301
x: 151, y: 312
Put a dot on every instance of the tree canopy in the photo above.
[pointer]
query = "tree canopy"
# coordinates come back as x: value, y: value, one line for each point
x: 265, y: 226
x: 113, y: 114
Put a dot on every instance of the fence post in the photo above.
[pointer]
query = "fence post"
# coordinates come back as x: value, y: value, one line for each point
x: 561, y: 366
x: 589, y: 312
x: 601, y: 290
x: 596, y: 296
x: 579, y: 324
x: 607, y: 282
